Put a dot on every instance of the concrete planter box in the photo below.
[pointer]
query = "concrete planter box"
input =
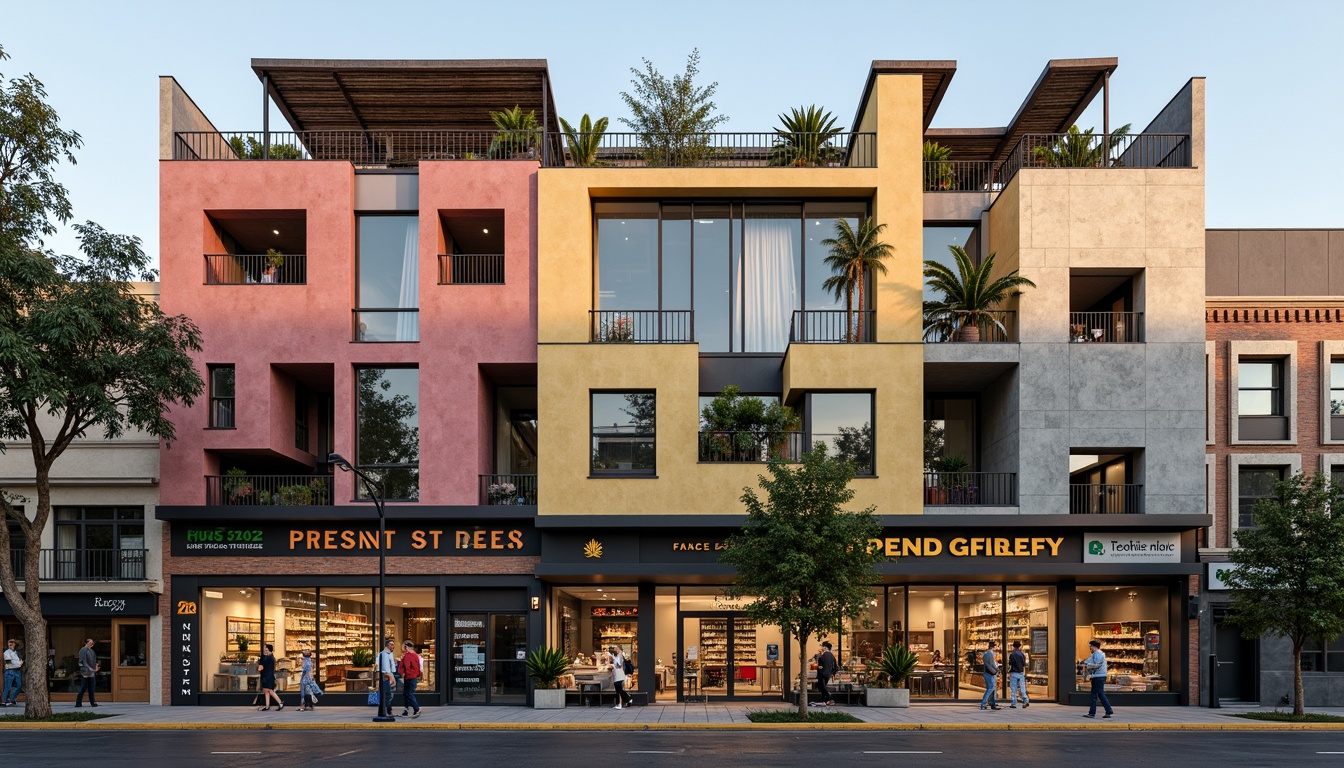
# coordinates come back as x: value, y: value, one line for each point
x: 888, y: 697
x: 548, y: 698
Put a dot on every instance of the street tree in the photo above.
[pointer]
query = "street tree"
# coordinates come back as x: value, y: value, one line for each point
x: 805, y: 561
x: 80, y: 351
x: 1288, y: 579
x: 672, y: 117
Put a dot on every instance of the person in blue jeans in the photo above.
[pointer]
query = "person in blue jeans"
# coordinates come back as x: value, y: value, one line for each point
x: 1094, y: 668
x: 13, y: 677
x: 990, y: 669
x: 1017, y: 676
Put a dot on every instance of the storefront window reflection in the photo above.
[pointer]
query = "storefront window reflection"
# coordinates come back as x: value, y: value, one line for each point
x: 1131, y: 623
x: 231, y: 638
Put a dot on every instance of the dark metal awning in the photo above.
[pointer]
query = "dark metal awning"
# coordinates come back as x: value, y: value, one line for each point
x: 937, y: 75
x: 399, y: 95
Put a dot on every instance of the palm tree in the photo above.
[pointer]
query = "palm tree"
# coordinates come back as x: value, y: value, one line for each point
x: 805, y: 138
x: 1080, y: 149
x: 937, y: 170
x: 583, y: 143
x: 518, y: 132
x: 853, y: 255
x: 969, y: 296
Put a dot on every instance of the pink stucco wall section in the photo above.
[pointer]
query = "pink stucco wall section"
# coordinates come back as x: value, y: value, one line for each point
x: 256, y: 326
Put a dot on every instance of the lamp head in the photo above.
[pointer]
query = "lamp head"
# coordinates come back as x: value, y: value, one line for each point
x: 339, y: 461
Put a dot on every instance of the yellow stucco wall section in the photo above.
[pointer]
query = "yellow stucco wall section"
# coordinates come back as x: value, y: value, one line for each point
x: 569, y: 367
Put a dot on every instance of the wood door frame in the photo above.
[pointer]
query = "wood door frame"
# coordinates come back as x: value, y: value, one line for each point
x: 120, y: 673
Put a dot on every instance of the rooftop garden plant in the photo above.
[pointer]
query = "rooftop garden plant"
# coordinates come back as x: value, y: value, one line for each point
x: 971, y: 296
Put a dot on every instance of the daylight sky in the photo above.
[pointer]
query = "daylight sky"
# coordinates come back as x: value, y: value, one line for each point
x: 1275, y: 72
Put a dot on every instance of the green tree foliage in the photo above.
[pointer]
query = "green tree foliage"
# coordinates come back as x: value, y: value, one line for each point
x: 970, y: 296
x: 1288, y: 578
x: 854, y: 255
x: 806, y: 562
x: 249, y: 148
x: 740, y: 427
x: 389, y: 435
x: 1080, y: 149
x: 804, y: 138
x: 937, y: 170
x: 81, y: 353
x: 518, y: 133
x: 672, y: 117
x: 584, y: 143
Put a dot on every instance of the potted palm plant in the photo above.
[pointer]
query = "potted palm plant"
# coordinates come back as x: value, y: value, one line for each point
x: 853, y: 256
x: 518, y: 134
x: 970, y: 297
x: 886, y: 686
x: 805, y: 138
x: 584, y: 143
x: 938, y: 173
x: 1080, y: 149
x: 546, y: 665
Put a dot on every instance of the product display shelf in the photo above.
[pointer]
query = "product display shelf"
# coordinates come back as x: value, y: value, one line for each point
x: 1123, y: 643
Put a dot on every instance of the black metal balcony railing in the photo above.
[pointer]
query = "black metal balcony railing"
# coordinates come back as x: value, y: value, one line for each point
x: 1098, y: 499
x: 960, y: 176
x: 619, y: 150
x: 502, y: 490
x: 666, y: 326
x: 84, y: 564
x: 836, y: 326
x: 373, y: 325
x: 255, y: 269
x: 254, y: 490
x: 1107, y: 327
x: 471, y: 269
x: 993, y: 326
x: 719, y: 446
x: 970, y: 489
x: 1062, y: 150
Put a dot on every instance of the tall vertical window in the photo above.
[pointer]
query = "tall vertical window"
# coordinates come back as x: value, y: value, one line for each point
x: 1336, y: 388
x: 623, y: 435
x: 388, y: 290
x: 1260, y: 388
x: 221, y: 396
x: 844, y: 421
x: 1254, y: 484
x: 388, y: 402
x: 936, y: 242
x: 300, y: 419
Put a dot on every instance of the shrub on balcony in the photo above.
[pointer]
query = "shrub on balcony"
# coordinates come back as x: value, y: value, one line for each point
x: 805, y: 138
x: 237, y: 486
x: 584, y: 143
x: 518, y: 134
x: 673, y: 117
x: 248, y: 148
x: 970, y: 297
x: 745, y: 428
x: 937, y: 171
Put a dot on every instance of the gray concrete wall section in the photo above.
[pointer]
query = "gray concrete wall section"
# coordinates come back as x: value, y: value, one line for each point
x: 1274, y: 262
x: 1000, y: 433
x: 177, y: 112
x: 1276, y: 677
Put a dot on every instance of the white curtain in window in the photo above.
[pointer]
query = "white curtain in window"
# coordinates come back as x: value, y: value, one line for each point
x: 770, y: 283
x: 408, y: 323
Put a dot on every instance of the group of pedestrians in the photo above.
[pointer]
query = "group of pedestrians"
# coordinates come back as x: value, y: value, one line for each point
x: 1094, y: 669
x: 387, y: 667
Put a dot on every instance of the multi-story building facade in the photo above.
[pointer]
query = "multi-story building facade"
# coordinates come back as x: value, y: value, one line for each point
x: 101, y: 566
x: 1275, y: 395
x: 634, y: 291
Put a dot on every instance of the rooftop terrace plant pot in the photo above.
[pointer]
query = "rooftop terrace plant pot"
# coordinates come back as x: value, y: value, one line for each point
x: 548, y: 698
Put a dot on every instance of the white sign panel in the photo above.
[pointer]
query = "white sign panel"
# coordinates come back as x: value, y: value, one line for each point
x: 1218, y: 573
x: 1132, y: 547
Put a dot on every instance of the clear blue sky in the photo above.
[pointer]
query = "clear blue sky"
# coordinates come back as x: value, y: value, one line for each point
x: 1275, y: 72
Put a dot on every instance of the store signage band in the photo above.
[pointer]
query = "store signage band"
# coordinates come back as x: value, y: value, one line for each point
x: 1132, y: 547
x: 327, y: 539
x: 932, y: 546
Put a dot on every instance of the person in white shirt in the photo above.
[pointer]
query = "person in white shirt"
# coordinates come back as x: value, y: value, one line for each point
x: 1094, y: 668
x: 13, y: 677
x: 387, y: 669
x: 618, y: 676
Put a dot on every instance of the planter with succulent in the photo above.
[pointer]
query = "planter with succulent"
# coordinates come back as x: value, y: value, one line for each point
x: 970, y: 298
x: 806, y: 138
x: 546, y: 665
x: 361, y: 665
x: 886, y: 684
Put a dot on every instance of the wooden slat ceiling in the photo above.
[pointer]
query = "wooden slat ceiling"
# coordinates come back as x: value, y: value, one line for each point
x: 1061, y: 93
x: 318, y: 95
x: 937, y: 76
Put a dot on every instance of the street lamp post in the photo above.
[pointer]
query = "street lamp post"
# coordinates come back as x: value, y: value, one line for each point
x: 376, y: 493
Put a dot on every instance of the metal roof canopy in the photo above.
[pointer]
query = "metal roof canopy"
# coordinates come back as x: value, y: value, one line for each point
x: 1063, y: 91
x: 407, y: 94
x: 937, y: 76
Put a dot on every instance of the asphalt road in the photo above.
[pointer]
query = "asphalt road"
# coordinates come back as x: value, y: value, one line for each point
x: 689, y: 749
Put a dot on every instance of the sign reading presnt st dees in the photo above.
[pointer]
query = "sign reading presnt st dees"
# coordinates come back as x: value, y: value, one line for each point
x: 328, y: 539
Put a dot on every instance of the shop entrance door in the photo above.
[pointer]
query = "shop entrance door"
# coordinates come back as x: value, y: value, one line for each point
x: 487, y: 662
x: 726, y: 656
x: 1236, y: 662
x: 130, y: 660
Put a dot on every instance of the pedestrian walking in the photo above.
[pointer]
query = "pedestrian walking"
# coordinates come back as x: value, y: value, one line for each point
x: 409, y: 667
x: 386, y: 668
x: 990, y: 669
x: 826, y: 667
x: 88, y: 669
x: 13, y: 677
x: 620, y: 670
x: 266, y: 679
x: 309, y: 690
x: 1094, y: 668
x: 1017, y: 676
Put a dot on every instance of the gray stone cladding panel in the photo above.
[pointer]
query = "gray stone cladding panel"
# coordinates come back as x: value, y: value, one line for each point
x: 1176, y: 376
x: 1045, y: 377
x: 1107, y: 377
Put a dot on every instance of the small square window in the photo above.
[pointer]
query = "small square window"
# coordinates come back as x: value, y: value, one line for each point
x: 623, y: 433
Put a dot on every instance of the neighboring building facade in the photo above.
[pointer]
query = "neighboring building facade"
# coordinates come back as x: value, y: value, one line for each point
x: 101, y: 566
x: 1275, y: 394
x: 631, y: 293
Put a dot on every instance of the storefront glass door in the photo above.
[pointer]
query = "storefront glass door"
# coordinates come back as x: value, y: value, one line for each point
x: 932, y: 636
x: 508, y: 655
x: 728, y: 656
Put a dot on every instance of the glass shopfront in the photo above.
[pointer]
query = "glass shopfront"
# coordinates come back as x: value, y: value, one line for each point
x: 1132, y: 625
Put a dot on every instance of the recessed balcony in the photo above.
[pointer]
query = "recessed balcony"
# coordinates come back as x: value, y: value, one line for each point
x: 508, y: 490
x: 1105, y: 499
x: 256, y: 269
x: 237, y: 490
x: 748, y: 447
x: 970, y: 489
x: 84, y: 564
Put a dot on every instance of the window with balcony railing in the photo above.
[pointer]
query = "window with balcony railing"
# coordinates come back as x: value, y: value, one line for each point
x: 1103, y: 484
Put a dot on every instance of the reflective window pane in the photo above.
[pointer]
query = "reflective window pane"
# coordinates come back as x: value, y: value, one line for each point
x: 389, y: 429
x: 627, y: 258
x: 771, y: 275
x: 623, y: 431
x: 713, y: 230
x: 389, y: 276
x: 1261, y: 374
x: 936, y: 248
x: 844, y: 422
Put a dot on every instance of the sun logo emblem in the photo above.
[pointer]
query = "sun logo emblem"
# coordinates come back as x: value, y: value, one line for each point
x: 592, y: 549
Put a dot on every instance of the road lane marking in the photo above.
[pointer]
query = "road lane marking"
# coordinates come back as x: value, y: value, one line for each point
x: 900, y: 752
x: 351, y: 752
x: 236, y: 753
x: 655, y: 752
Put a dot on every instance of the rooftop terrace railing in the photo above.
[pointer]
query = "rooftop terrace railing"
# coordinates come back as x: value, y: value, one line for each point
x: 960, y: 176
x: 610, y: 150
x: 1065, y: 150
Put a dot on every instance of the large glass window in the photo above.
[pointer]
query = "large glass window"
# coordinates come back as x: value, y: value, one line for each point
x: 1131, y: 624
x: 770, y: 281
x: 221, y: 396
x: 388, y: 291
x: 623, y: 439
x: 388, y: 401
x: 937, y: 240
x: 932, y: 635
x: 100, y: 543
x: 979, y: 622
x: 1260, y: 388
x: 627, y: 256
x: 232, y: 632
x: 819, y: 225
x: 949, y: 431
x: 714, y: 248
x: 66, y: 638
x: 844, y: 421
x: 1254, y: 484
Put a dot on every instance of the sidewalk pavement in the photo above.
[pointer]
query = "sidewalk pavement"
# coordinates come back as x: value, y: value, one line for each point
x: 669, y: 716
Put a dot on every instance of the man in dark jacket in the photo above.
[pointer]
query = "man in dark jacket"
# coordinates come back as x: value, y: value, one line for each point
x: 826, y: 667
x: 88, y: 669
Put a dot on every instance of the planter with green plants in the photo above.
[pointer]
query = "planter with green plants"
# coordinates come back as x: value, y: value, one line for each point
x: 361, y: 665
x: 806, y: 139
x: 518, y: 136
x: 585, y: 142
x: 237, y: 487
x: 886, y: 686
x: 546, y: 666
x: 970, y: 298
x: 938, y: 174
x: 742, y: 428
x: 953, y: 483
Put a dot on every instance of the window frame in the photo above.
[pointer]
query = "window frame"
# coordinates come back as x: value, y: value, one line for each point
x: 595, y: 472
x: 359, y: 486
x: 1253, y: 351
x: 1275, y: 388
x: 872, y: 420
x: 1330, y: 351
x: 1291, y: 463
x: 217, y: 401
